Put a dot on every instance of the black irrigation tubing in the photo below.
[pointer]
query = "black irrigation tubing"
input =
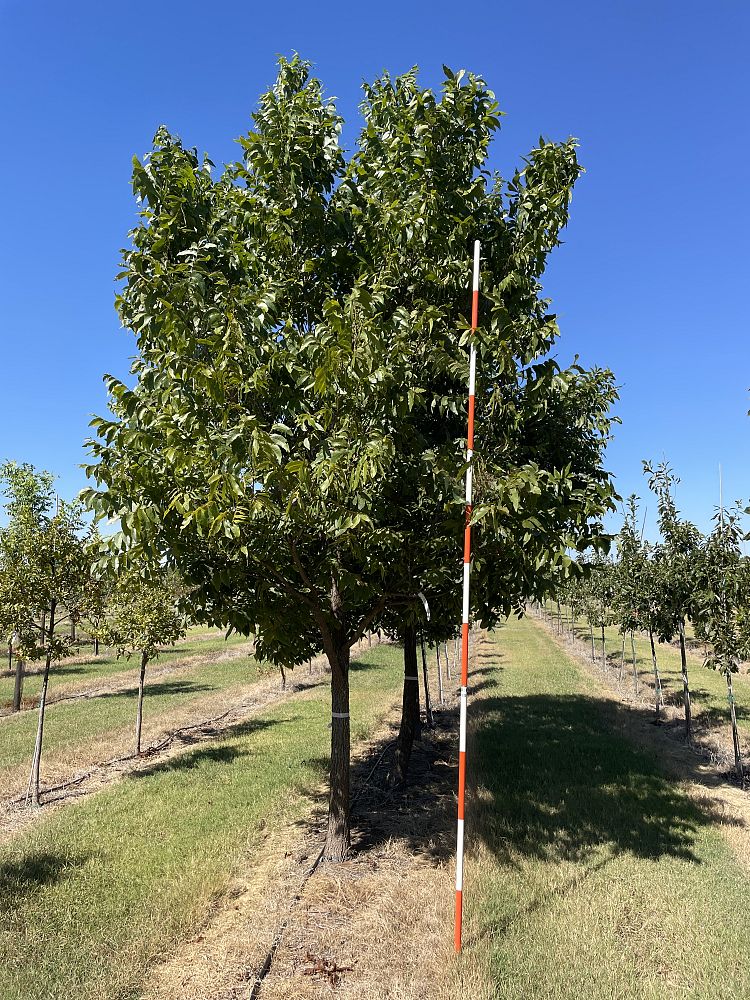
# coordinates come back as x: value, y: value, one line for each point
x: 150, y: 751
x: 271, y: 954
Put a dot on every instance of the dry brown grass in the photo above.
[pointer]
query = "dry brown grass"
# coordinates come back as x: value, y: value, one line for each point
x: 378, y: 926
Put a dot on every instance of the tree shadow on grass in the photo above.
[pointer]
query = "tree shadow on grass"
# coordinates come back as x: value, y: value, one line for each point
x: 223, y: 753
x: 549, y: 778
x: 25, y: 876
x: 152, y: 690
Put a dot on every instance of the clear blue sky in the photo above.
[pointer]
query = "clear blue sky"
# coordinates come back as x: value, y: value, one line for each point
x: 652, y: 280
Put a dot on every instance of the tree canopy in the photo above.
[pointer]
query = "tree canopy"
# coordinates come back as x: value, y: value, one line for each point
x: 293, y: 440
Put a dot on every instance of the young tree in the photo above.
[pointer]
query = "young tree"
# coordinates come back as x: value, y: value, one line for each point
x: 45, y: 571
x: 142, y: 616
x: 297, y: 321
x: 680, y: 561
x: 722, y: 606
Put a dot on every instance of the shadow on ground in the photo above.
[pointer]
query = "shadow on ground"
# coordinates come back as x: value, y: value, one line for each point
x: 24, y: 877
x: 550, y: 777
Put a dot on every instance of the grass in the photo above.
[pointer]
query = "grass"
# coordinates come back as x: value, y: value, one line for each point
x: 73, y: 723
x: 85, y: 668
x: 94, y: 893
x: 708, y: 688
x: 590, y: 874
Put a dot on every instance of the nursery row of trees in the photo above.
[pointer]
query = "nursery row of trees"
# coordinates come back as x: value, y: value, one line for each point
x: 52, y: 580
x: 658, y: 587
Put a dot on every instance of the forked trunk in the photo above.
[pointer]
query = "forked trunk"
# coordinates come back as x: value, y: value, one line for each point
x: 37, y: 760
x: 426, y: 676
x: 338, y: 837
x: 139, y: 710
x: 18, y: 686
x: 685, y: 684
x: 410, y: 728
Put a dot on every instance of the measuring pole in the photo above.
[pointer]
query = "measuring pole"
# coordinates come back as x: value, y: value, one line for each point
x: 465, y: 619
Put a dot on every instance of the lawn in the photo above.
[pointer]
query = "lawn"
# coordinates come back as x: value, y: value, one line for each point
x: 92, y: 894
x: 86, y: 670
x: 589, y: 874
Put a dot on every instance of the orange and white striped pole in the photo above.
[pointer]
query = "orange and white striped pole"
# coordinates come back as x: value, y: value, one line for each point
x: 465, y: 619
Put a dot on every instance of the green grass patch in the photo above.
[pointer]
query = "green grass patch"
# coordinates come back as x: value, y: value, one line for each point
x: 94, y: 893
x: 591, y: 875
x: 90, y: 669
x: 708, y: 688
x: 74, y: 723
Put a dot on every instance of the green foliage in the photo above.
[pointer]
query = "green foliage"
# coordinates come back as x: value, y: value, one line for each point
x: 679, y: 554
x: 142, y: 615
x: 724, y: 594
x: 294, y: 437
x: 44, y: 565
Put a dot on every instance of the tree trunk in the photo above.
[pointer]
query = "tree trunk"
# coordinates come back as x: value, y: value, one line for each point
x: 439, y: 673
x: 455, y: 659
x: 37, y: 760
x: 338, y: 837
x: 139, y: 710
x: 559, y: 623
x: 18, y: 687
x: 735, y: 733
x: 635, y: 661
x: 622, y: 656
x: 657, y: 679
x: 604, y: 650
x: 593, y: 651
x: 283, y: 678
x: 425, y: 674
x: 73, y: 630
x: 96, y: 647
x: 10, y: 655
x: 685, y: 684
x: 410, y: 728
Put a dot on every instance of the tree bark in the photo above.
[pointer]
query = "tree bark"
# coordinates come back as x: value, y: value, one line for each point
x: 96, y: 647
x: 685, y: 684
x: 735, y: 733
x: 593, y: 651
x: 439, y: 673
x: 604, y: 650
x: 283, y: 678
x: 622, y: 656
x: 425, y: 674
x: 338, y: 836
x: 139, y: 710
x: 657, y: 678
x: 635, y: 662
x: 10, y: 655
x: 18, y: 686
x: 37, y: 759
x: 410, y: 728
